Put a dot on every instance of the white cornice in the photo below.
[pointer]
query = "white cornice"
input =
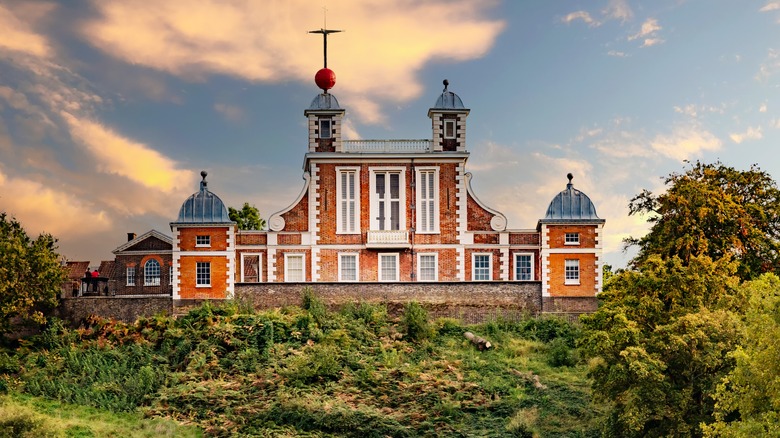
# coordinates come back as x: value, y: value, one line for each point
x: 276, y: 221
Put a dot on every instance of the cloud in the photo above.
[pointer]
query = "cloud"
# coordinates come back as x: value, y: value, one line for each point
x: 770, y: 66
x: 617, y: 54
x: 762, y: 108
x: 648, y: 33
x: 649, y: 42
x: 580, y: 15
x: 618, y: 10
x: 685, y: 142
x: 771, y: 6
x: 751, y: 134
x: 267, y: 41
x: 17, y: 32
x: 230, y: 112
x: 119, y: 155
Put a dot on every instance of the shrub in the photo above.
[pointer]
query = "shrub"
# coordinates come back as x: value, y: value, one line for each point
x: 314, y: 305
x: 560, y: 353
x: 414, y: 322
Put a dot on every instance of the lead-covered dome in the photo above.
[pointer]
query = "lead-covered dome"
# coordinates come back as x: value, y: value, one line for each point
x: 325, y: 101
x: 448, y: 99
x: 571, y: 205
x: 203, y: 207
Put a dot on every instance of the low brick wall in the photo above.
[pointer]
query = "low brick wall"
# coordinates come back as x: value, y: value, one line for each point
x: 471, y: 302
x: 126, y: 308
x: 570, y: 304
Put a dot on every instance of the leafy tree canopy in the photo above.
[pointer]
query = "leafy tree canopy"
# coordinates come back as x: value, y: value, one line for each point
x: 30, y: 274
x: 659, y: 344
x: 713, y: 210
x: 248, y: 218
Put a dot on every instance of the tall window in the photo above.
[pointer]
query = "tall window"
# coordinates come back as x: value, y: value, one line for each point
x: 250, y: 268
x: 152, y: 273
x: 348, y: 267
x: 524, y: 267
x: 482, y: 267
x: 387, y: 199
x: 130, y: 275
x: 388, y: 267
x: 325, y: 131
x: 427, y: 267
x: 572, y: 239
x: 427, y: 201
x: 202, y: 240
x: 202, y: 274
x: 348, y: 194
x: 294, y: 268
x: 170, y: 275
x: 572, y: 272
x: 449, y: 128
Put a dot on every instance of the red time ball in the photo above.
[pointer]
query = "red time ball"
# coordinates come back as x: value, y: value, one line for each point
x: 325, y: 78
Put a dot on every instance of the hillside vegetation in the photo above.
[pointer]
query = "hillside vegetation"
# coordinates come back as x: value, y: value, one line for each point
x: 309, y: 372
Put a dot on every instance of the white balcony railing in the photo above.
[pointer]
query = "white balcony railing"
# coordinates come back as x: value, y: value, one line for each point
x: 387, y: 146
x: 388, y: 238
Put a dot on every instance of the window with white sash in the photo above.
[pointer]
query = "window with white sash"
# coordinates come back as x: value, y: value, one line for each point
x: 524, y: 266
x: 294, y: 270
x: 482, y: 267
x: 348, y: 267
x: 250, y: 268
x: 388, y: 199
x: 348, y: 195
x: 572, y: 272
x: 427, y: 200
x: 388, y: 267
x: 427, y: 267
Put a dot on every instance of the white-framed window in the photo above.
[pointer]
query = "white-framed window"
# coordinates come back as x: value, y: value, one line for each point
x: 388, y: 267
x: 202, y: 241
x: 130, y: 273
x: 348, y: 267
x: 572, y: 271
x: 250, y: 268
x: 482, y: 267
x: 388, y: 199
x: 152, y: 273
x: 348, y: 195
x: 325, y: 128
x: 294, y: 268
x: 202, y: 274
x: 170, y: 275
x: 572, y: 239
x: 427, y: 200
x: 524, y: 266
x: 449, y: 128
x: 427, y: 266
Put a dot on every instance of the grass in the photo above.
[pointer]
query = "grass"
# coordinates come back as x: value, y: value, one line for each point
x: 309, y: 372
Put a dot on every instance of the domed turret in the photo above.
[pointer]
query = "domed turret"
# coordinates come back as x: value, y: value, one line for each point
x: 203, y: 207
x: 448, y: 120
x: 571, y: 205
x: 448, y: 100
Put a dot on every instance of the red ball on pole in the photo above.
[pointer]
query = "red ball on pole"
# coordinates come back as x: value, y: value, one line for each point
x: 325, y: 79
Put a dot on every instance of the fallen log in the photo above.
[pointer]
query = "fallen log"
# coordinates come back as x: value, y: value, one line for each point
x: 481, y: 343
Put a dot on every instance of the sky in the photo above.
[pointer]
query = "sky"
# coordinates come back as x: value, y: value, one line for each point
x: 110, y: 109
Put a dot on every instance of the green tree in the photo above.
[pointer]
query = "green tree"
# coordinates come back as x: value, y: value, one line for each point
x: 30, y: 274
x: 659, y: 344
x: 713, y: 210
x: 248, y: 218
x: 748, y: 399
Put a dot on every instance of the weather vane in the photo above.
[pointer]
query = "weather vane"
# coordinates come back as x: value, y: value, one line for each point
x: 325, y: 78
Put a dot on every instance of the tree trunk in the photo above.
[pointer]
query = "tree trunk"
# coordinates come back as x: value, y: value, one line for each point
x: 481, y: 343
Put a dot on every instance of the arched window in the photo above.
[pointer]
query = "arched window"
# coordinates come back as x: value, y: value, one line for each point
x: 152, y: 273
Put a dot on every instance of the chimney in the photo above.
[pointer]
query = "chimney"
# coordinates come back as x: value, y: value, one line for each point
x: 130, y: 236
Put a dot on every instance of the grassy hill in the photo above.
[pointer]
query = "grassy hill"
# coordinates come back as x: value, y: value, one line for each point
x: 305, y: 372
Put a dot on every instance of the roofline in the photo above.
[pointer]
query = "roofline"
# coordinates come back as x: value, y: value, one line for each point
x: 448, y: 111
x: 150, y: 233
x: 203, y: 224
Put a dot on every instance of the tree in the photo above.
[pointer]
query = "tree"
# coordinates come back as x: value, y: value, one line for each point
x: 30, y: 274
x: 660, y: 342
x: 248, y: 218
x: 713, y: 210
x: 748, y: 399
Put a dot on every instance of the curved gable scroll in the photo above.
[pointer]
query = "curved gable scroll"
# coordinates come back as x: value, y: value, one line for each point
x: 276, y: 222
x: 498, y: 221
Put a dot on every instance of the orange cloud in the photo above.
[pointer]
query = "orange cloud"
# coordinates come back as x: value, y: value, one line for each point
x: 17, y: 33
x: 378, y: 57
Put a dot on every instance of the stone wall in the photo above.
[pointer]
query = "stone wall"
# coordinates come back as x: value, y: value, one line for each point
x: 124, y: 308
x: 471, y: 302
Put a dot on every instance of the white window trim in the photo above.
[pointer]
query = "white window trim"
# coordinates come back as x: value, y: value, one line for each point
x: 435, y: 263
x: 517, y: 256
x: 202, y: 245
x: 373, y: 224
x: 490, y: 265
x: 566, y: 241
x: 357, y: 266
x: 287, y: 257
x: 128, y: 269
x: 454, y: 123
x: 259, y: 265
x: 196, y: 275
x: 572, y: 281
x: 159, y: 277
x: 379, y: 266
x: 339, y: 189
x: 170, y: 275
x: 330, y: 128
x: 436, y: 200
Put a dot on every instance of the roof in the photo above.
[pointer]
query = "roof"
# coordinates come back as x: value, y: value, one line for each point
x: 448, y: 100
x: 571, y: 205
x: 141, y: 238
x: 75, y: 270
x: 325, y: 101
x: 106, y: 268
x: 203, y: 207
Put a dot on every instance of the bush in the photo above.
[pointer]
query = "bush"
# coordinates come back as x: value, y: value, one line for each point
x: 548, y: 329
x: 316, y: 307
x: 414, y: 322
x: 560, y: 353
